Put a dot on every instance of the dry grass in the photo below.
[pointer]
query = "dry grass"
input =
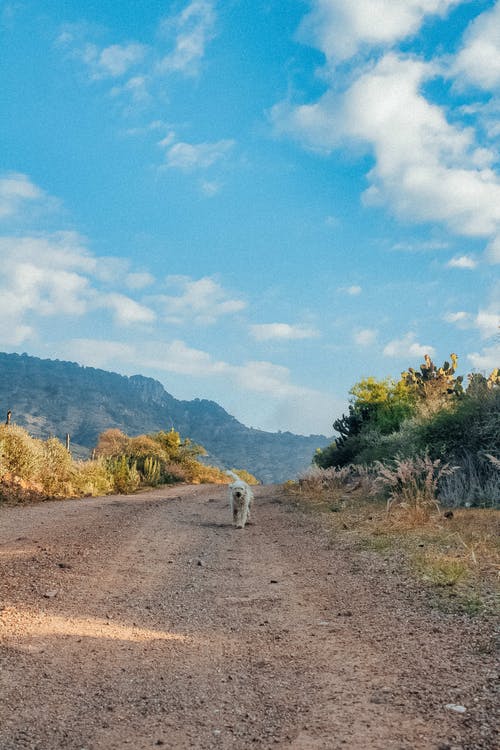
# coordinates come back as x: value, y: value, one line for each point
x: 457, y: 557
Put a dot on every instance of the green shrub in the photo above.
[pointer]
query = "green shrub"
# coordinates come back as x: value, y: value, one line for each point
x: 21, y: 455
x: 92, y: 478
x: 126, y: 478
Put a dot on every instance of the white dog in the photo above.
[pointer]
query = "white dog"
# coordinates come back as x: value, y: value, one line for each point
x: 240, y: 500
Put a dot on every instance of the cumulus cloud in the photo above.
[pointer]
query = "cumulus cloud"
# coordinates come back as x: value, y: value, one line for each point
x: 339, y: 28
x: 428, y: 167
x: 487, y: 359
x: 44, y: 276
x: 486, y: 320
x: 281, y: 332
x: 16, y: 189
x: 478, y: 61
x: 126, y: 311
x: 54, y: 274
x: 201, y: 301
x: 407, y: 346
x: 52, y: 250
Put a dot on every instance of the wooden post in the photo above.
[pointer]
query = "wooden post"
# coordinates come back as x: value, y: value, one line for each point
x: 9, y: 414
x: 67, y: 441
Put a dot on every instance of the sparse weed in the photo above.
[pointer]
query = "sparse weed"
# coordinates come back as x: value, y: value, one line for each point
x: 442, y: 569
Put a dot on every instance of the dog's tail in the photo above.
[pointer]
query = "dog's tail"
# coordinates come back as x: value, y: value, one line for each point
x: 233, y: 475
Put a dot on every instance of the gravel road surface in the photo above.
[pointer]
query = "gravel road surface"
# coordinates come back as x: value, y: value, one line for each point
x: 147, y: 621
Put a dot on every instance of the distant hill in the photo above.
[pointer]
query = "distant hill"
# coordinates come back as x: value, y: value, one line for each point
x: 49, y: 397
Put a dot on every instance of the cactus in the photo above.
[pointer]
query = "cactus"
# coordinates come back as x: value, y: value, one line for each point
x: 152, y: 471
x: 434, y: 386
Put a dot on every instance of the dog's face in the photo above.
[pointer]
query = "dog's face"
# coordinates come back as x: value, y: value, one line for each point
x: 238, y: 490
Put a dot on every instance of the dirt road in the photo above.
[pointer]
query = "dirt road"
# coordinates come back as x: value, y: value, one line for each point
x: 148, y: 621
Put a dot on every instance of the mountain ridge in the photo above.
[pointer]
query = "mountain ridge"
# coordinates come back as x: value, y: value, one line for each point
x: 55, y: 397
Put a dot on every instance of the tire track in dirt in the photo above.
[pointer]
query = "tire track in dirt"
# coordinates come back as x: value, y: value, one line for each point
x: 148, y: 621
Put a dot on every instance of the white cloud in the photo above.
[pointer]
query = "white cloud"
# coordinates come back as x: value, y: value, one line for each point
x: 365, y: 337
x: 137, y: 88
x: 192, y: 29
x: 457, y: 317
x: 488, y: 359
x: 201, y: 301
x: 486, y: 321
x: 493, y: 251
x: 54, y: 274
x: 281, y: 331
x: 303, y: 410
x: 100, y: 353
x: 297, y: 408
x: 117, y: 59
x: 210, y: 187
x: 462, y: 261
x: 426, y: 169
x: 55, y: 250
x: 407, y: 347
x: 113, y: 61
x: 190, y: 156
x: 478, y: 61
x: 11, y: 333
x: 139, y: 280
x: 15, y: 189
x: 177, y: 357
x: 340, y: 27
x: 352, y: 291
x: 126, y: 311
x: 44, y: 276
x: 417, y: 246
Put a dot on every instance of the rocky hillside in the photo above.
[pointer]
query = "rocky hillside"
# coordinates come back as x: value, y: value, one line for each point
x: 50, y: 397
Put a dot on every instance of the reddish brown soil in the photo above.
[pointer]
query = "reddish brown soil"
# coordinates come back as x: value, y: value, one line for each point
x: 148, y: 621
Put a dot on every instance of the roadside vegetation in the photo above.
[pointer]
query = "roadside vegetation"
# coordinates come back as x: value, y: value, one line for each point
x: 427, y: 415
x: 415, y: 476
x: 32, y: 469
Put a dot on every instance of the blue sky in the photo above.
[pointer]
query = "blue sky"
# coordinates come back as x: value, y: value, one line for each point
x: 256, y: 202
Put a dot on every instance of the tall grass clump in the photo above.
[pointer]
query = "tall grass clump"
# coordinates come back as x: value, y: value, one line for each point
x: 411, y: 485
x: 476, y: 483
